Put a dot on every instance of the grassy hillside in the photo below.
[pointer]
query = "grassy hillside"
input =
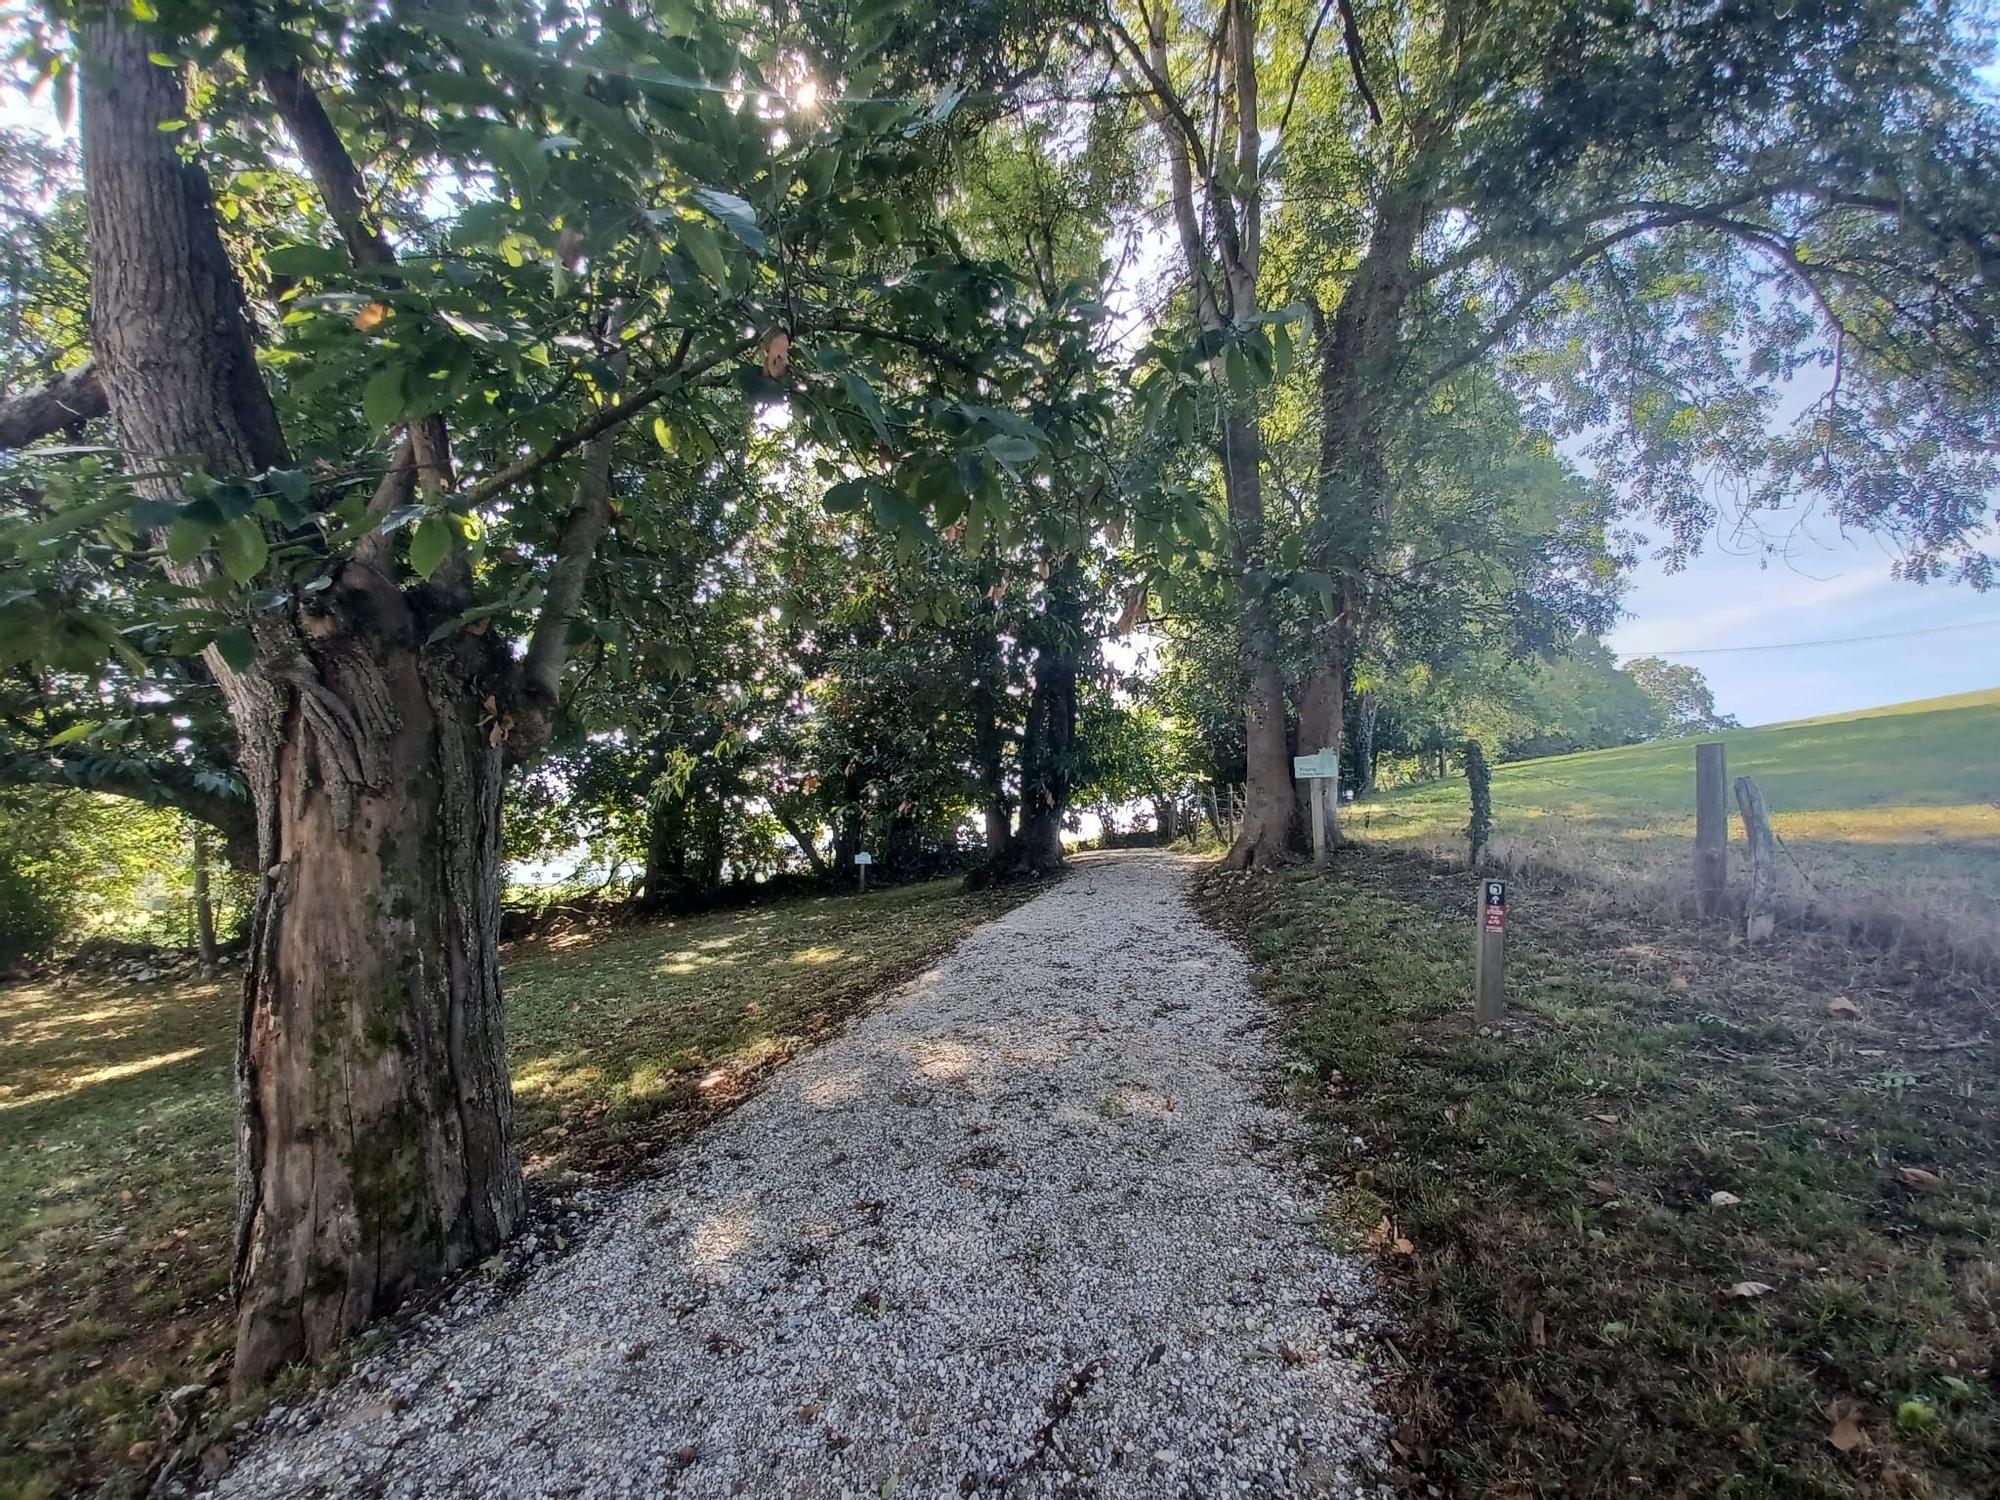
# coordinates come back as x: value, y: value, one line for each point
x: 1897, y: 805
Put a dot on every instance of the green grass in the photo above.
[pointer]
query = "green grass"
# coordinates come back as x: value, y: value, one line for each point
x: 1542, y: 1200
x: 1896, y: 806
x: 117, y: 1157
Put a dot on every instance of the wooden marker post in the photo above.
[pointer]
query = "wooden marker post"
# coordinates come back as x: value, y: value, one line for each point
x: 861, y: 863
x: 1711, y: 827
x: 1320, y: 772
x: 1761, y: 916
x: 1489, y: 996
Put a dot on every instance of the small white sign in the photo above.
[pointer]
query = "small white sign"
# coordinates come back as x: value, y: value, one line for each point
x: 1308, y: 767
x: 864, y: 858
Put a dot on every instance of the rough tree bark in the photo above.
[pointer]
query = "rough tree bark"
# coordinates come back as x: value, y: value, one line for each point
x: 1364, y: 748
x: 989, y: 705
x: 204, y: 905
x: 1358, y: 349
x: 1217, y: 208
x: 374, y: 1136
x: 1048, y: 743
x: 1320, y: 727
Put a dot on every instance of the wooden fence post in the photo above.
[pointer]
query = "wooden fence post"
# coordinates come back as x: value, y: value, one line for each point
x: 1763, y: 909
x: 1711, y: 827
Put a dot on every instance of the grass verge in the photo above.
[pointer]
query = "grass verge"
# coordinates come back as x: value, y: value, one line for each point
x: 117, y: 1182
x: 1699, y: 1219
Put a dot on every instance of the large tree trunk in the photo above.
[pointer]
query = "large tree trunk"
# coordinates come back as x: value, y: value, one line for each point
x: 1320, y: 726
x: 377, y: 1119
x: 374, y: 1140
x: 1048, y: 747
x: 1265, y: 836
x: 803, y: 839
x: 204, y: 904
x: 989, y: 705
x: 1364, y: 748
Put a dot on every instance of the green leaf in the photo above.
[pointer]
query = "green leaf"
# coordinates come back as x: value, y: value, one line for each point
x: 862, y: 394
x: 429, y: 543
x: 243, y: 549
x: 1013, y: 450
x: 701, y: 246
x: 306, y: 260
x: 736, y: 213
x: 382, y: 397
x: 187, y: 538
x: 238, y: 647
x: 846, y: 496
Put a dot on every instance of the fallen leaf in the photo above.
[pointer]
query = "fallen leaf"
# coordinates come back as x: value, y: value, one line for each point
x: 1538, y: 1331
x: 1843, y: 1007
x: 1605, y: 1119
x: 1603, y: 1187
x: 1923, y: 1179
x: 1678, y: 984
x: 1723, y: 1200
x: 1847, y: 1435
x: 1748, y: 1289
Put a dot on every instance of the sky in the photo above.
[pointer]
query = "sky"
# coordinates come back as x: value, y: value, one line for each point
x: 1833, y: 592
x: 1752, y: 625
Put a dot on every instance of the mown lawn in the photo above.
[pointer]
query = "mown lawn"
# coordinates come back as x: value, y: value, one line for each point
x: 117, y: 1155
x: 1899, y: 805
x: 1698, y: 1220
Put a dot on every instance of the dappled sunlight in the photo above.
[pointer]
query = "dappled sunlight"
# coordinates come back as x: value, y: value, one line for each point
x: 80, y: 1081
x: 560, y: 1075
x: 832, y: 1090
x: 48, y: 1015
x: 943, y: 1061
x: 820, y: 955
x: 1974, y: 823
x: 687, y: 961
x: 718, y: 1240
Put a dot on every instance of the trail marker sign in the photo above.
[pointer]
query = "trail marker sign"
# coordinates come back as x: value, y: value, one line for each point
x: 1323, y: 772
x: 1489, y: 999
x: 1308, y: 767
x: 862, y: 861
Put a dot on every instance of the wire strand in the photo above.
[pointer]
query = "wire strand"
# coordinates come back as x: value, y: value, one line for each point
x: 1845, y: 640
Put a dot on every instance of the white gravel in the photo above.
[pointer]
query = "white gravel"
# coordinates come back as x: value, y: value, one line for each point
x: 1030, y: 1227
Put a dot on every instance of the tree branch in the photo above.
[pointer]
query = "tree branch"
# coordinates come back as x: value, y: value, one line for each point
x: 63, y: 403
x: 540, y: 678
x: 1357, y: 58
x: 607, y: 418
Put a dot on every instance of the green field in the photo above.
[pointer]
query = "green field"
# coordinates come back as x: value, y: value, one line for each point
x: 1896, y: 808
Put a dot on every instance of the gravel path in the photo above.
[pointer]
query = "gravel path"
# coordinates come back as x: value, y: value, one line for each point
x: 1026, y: 1229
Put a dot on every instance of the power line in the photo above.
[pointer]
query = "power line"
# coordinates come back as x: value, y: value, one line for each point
x: 1845, y: 640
